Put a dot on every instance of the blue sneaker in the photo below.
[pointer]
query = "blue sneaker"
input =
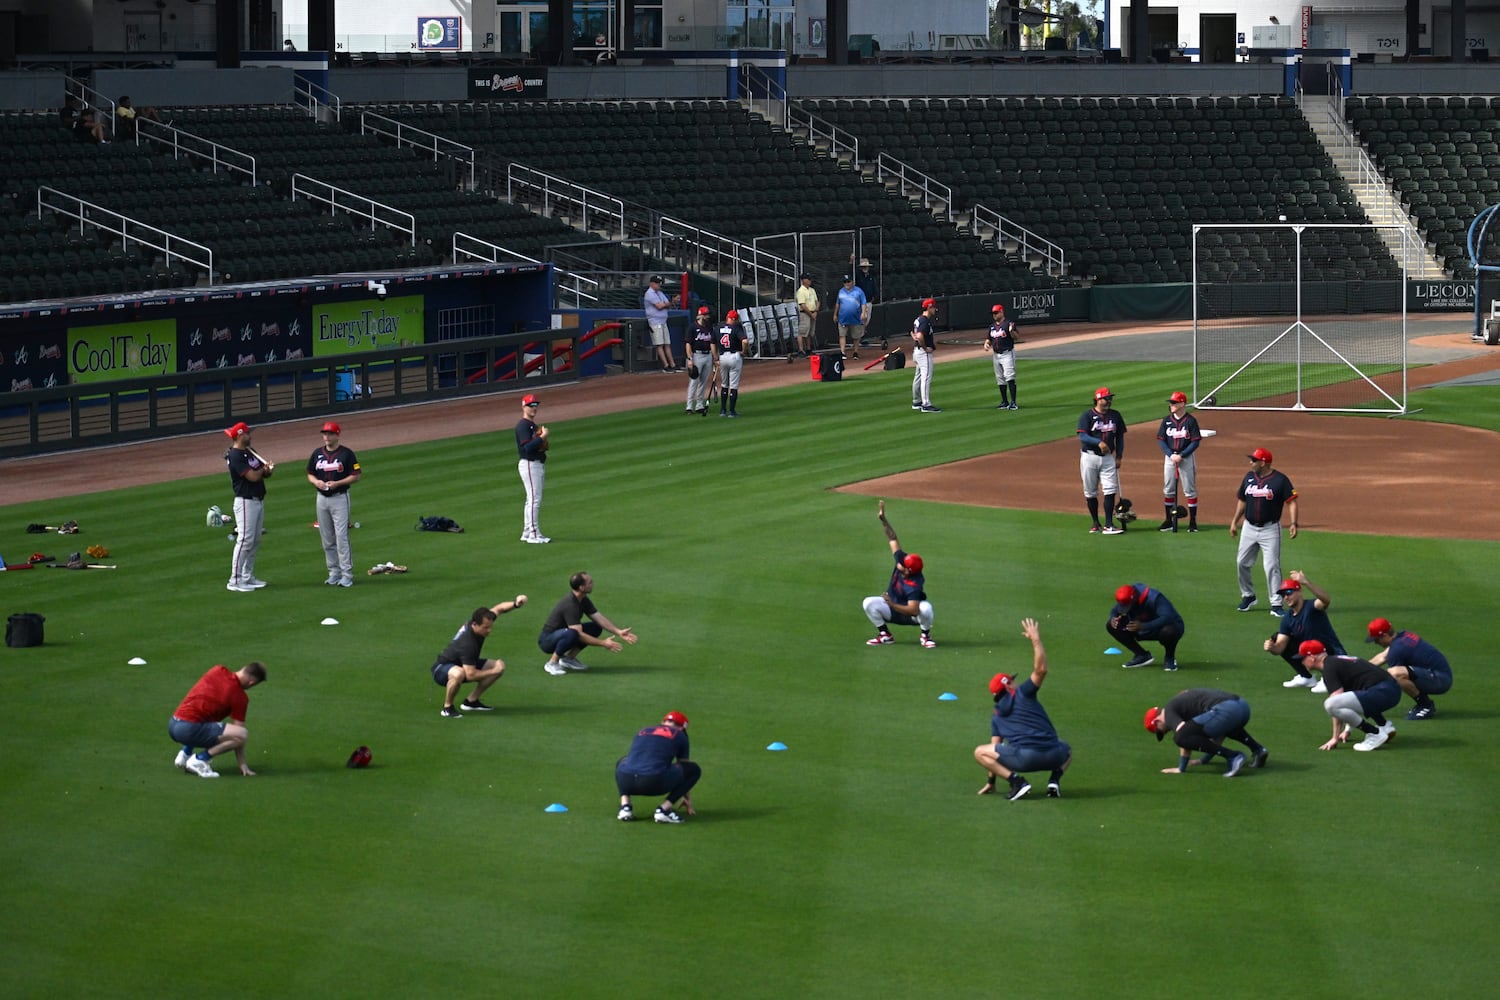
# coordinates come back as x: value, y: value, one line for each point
x: 1235, y: 763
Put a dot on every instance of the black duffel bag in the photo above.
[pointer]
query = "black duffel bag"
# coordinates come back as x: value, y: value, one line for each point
x: 24, y: 629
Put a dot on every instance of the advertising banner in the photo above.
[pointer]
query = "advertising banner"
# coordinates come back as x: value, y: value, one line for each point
x: 529, y: 83
x: 224, y: 344
x: 122, y: 350
x: 367, y: 325
x: 440, y: 34
x: 35, y: 363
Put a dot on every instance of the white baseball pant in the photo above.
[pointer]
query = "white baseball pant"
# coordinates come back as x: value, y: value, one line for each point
x: 921, y: 379
x: 1005, y: 367
x: 333, y: 525
x: 1098, y: 471
x: 249, y: 519
x: 880, y: 613
x: 697, y: 392
x: 1266, y: 540
x: 533, y: 477
x: 1183, y: 480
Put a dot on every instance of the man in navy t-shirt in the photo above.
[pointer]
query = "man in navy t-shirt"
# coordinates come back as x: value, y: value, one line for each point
x: 1022, y: 737
x: 905, y: 599
x: 1414, y: 663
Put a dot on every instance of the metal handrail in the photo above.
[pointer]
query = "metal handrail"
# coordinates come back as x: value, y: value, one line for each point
x: 308, y: 91
x: 316, y: 190
x: 82, y: 91
x: 183, y: 143
x: 934, y: 191
x: 402, y: 134
x: 128, y: 227
x: 1027, y: 242
x: 523, y: 183
x: 481, y: 249
x: 767, y: 270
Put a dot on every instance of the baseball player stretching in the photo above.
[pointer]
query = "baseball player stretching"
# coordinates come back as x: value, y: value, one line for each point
x: 332, y: 469
x: 531, y: 444
x: 1262, y: 494
x: 1179, y: 437
x: 1101, y: 435
x: 731, y: 360
x: 904, y: 601
x: 1002, y: 341
x: 922, y: 346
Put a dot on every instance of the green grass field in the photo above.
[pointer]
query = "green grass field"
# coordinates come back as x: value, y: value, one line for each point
x: 857, y: 863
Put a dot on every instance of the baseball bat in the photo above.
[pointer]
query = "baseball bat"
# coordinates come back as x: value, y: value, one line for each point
x: 881, y: 359
x: 270, y: 465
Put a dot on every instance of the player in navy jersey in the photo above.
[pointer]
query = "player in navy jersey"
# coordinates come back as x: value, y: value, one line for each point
x: 704, y: 355
x: 1143, y: 612
x: 1359, y: 694
x: 531, y: 445
x: 1301, y: 620
x: 731, y: 362
x: 923, y: 345
x: 247, y: 477
x: 1262, y: 495
x: 332, y: 469
x: 1022, y: 737
x: 1001, y: 342
x: 905, y: 599
x: 1101, y: 438
x: 1414, y: 663
x: 657, y: 764
x: 1179, y: 438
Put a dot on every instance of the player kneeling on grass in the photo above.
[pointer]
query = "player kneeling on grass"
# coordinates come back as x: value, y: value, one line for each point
x: 1143, y: 612
x: 1416, y: 664
x: 657, y: 764
x: 1022, y: 738
x: 460, y: 661
x: 905, y: 599
x: 1199, y: 719
x: 1359, y: 693
x: 198, y: 722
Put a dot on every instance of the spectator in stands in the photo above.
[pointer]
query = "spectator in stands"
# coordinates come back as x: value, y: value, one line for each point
x: 81, y: 119
x: 288, y: 46
x: 864, y: 280
x: 656, y: 304
x: 128, y: 116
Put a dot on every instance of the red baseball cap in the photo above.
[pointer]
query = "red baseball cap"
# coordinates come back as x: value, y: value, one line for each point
x: 703, y: 310
x: 1125, y: 595
x: 1103, y: 393
x: 928, y: 303
x: 676, y: 719
x: 233, y: 432
x: 1260, y: 455
x: 1000, y: 682
x: 1288, y: 587
x: 530, y: 400
x: 997, y: 308
x: 329, y: 427
x: 1377, y: 628
x: 1311, y: 647
x: 732, y: 315
x: 913, y: 562
x: 1152, y: 714
x: 1177, y: 397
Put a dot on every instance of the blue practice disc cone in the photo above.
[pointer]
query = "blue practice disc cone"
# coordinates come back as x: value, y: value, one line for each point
x: 557, y: 807
x: 778, y: 745
x: 1112, y: 651
x: 947, y: 696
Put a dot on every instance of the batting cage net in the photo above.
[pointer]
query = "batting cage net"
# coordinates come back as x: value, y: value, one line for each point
x: 1300, y: 317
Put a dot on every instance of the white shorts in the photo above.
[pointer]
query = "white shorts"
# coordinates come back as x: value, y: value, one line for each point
x: 660, y: 337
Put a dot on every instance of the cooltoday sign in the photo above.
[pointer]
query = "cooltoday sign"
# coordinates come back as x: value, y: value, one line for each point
x: 122, y: 350
x: 368, y: 325
x: 530, y: 83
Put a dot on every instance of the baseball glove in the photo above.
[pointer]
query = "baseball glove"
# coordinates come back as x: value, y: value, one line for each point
x: 97, y: 552
x: 1124, y: 511
x: 692, y: 371
x: 1179, y: 511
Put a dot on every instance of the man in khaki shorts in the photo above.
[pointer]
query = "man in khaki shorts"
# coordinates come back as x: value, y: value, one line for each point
x: 807, y: 315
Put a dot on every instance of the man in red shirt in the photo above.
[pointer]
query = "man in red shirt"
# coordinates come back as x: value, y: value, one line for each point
x: 199, y: 720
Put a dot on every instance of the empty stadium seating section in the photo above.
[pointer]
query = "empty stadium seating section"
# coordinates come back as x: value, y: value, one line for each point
x: 1442, y: 158
x: 1118, y: 182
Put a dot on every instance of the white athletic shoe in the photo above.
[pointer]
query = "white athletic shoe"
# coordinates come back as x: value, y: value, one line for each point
x: 255, y: 584
x: 1372, y: 741
x: 572, y: 664
x: 1299, y: 682
x: 201, y: 767
x: 538, y: 540
x: 1112, y: 530
x: 554, y: 668
x: 1320, y: 687
x: 181, y: 761
x: 239, y: 588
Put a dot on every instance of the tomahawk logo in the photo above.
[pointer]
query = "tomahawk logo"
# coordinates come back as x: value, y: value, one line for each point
x: 21, y: 357
x: 195, y: 339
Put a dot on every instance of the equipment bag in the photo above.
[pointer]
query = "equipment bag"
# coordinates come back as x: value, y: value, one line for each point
x: 438, y: 524
x: 895, y: 359
x: 24, y: 629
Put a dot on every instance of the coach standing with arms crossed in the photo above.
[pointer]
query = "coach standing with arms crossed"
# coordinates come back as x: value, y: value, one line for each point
x: 247, y: 476
x: 531, y: 445
x: 1262, y: 495
x: 332, y: 469
x: 923, y: 344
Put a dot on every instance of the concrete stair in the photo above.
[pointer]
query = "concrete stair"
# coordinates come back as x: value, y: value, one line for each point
x: 1370, y: 189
